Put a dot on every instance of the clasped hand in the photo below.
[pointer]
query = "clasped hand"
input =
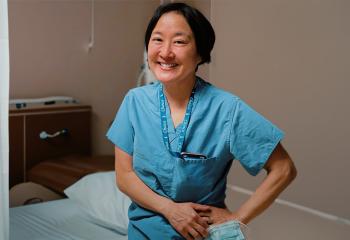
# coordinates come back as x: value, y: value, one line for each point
x: 192, y: 220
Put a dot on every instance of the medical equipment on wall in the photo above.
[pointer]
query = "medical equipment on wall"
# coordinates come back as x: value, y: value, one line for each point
x: 22, y: 103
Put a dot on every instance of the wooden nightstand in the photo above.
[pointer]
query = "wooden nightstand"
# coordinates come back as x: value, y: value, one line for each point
x: 50, y: 149
x: 28, y: 148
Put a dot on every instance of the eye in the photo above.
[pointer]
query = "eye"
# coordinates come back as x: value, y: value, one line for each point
x: 156, y: 39
x: 179, y: 42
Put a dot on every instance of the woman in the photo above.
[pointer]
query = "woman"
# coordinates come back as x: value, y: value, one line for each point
x: 175, y: 140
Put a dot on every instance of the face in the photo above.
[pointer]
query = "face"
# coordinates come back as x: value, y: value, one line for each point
x: 172, y: 53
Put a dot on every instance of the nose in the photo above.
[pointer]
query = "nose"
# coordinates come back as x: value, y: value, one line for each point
x: 166, y: 52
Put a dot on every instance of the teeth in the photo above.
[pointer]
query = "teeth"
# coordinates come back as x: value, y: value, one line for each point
x: 168, y: 65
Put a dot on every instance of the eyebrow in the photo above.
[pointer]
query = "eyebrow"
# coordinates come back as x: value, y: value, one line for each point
x: 176, y: 34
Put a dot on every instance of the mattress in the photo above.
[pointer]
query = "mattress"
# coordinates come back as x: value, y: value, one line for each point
x: 56, y: 220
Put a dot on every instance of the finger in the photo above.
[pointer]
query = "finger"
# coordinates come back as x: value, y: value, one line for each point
x: 208, y: 220
x: 193, y: 233
x: 187, y: 236
x: 185, y: 233
x: 203, y: 222
x: 200, y: 207
x: 200, y: 229
x: 198, y: 219
x: 204, y: 214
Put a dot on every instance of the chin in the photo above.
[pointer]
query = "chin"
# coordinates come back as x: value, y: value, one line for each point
x: 166, y: 79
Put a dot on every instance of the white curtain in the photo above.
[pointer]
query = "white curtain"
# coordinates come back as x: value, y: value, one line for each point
x: 4, y: 139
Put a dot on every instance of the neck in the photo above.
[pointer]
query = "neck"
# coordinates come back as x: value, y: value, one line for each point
x: 178, y: 94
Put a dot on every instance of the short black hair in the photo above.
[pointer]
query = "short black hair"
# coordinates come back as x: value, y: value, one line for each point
x: 202, y: 29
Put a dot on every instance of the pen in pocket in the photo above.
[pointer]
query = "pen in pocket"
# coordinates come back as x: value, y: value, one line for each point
x: 193, y: 155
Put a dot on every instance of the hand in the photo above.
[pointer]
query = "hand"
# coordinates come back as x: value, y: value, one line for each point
x: 218, y: 215
x: 185, y: 219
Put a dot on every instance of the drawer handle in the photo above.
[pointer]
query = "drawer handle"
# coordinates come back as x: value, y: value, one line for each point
x: 45, y: 135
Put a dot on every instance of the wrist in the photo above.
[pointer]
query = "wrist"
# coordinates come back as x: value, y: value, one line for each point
x: 237, y: 217
x: 164, y: 207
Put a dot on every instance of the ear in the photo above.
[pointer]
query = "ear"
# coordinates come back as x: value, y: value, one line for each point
x: 145, y: 58
x: 199, y: 59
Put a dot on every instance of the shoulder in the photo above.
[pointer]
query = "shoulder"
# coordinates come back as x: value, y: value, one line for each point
x: 218, y: 96
x: 143, y: 92
x: 144, y: 97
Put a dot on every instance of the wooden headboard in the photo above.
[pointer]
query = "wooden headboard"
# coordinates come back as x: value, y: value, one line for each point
x: 27, y: 149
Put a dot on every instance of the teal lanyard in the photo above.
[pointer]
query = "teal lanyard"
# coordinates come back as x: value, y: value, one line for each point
x: 164, y: 122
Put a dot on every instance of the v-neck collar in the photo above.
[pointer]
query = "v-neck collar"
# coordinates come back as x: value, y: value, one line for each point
x: 171, y: 127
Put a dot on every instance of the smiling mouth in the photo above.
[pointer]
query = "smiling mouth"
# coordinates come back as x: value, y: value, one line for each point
x: 167, y: 66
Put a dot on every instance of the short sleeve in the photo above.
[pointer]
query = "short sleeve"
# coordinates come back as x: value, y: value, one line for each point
x: 121, y: 132
x: 252, y: 137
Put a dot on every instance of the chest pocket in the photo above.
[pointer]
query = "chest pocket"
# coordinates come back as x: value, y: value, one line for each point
x: 193, y: 178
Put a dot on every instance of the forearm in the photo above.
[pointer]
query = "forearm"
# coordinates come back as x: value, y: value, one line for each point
x: 275, y: 182
x: 131, y: 185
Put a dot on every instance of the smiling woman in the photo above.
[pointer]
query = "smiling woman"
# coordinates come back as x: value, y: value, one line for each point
x: 172, y: 51
x: 174, y: 162
x: 173, y: 58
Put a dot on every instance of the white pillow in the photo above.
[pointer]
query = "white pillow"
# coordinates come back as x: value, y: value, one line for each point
x: 99, y: 196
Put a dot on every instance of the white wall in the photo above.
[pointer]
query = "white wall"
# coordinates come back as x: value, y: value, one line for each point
x: 4, y: 108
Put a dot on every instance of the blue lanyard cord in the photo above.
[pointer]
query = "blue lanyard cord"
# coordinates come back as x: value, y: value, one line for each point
x: 164, y: 123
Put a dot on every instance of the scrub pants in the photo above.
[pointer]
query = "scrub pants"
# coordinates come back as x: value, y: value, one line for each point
x: 226, y: 231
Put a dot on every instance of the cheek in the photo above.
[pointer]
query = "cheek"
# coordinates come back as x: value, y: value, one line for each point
x: 151, y: 59
x: 152, y: 52
x: 149, y: 55
x: 192, y: 59
x: 190, y: 56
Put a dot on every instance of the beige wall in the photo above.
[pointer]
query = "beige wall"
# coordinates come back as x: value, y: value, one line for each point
x: 48, y: 53
x: 281, y: 222
x: 290, y: 61
x: 204, y: 7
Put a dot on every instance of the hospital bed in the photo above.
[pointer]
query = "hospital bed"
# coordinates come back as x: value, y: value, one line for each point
x: 58, y: 189
x: 95, y: 209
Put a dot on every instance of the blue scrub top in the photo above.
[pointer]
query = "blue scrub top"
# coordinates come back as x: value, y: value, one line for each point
x: 222, y: 127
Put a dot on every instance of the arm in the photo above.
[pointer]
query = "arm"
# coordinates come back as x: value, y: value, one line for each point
x: 280, y: 173
x: 129, y: 183
x: 182, y: 216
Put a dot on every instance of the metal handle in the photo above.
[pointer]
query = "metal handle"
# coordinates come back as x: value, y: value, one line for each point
x: 44, y: 135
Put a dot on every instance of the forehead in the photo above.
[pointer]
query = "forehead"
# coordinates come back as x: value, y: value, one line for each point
x: 172, y: 23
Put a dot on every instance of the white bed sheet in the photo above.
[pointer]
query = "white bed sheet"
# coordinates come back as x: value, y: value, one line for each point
x: 56, y: 220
